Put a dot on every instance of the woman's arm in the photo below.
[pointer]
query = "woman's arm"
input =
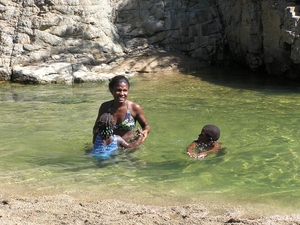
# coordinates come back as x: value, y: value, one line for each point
x: 141, y: 118
x: 125, y: 144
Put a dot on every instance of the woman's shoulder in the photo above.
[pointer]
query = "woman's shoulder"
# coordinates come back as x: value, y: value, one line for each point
x: 133, y: 106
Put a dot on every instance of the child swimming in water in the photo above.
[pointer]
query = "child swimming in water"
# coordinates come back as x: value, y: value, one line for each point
x: 106, y: 143
x: 206, y: 142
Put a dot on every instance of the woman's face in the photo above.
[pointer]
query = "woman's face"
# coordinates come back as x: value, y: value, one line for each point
x: 120, y: 92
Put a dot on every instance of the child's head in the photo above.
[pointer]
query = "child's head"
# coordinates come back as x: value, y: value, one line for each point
x: 105, y: 125
x: 209, y: 133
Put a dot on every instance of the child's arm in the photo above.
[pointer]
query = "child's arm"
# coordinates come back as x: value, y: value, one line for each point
x: 191, y: 148
x: 125, y: 144
x: 216, y: 147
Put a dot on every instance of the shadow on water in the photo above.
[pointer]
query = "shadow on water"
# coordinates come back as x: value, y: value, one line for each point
x: 241, y: 78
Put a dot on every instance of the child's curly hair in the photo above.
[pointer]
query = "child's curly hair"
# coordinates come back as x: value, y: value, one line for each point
x: 105, y: 125
x: 213, y: 131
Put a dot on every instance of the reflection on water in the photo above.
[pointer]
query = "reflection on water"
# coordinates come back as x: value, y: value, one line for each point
x: 45, y: 130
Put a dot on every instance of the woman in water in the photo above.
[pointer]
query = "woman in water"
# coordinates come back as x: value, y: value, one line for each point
x: 125, y: 113
x: 206, y: 142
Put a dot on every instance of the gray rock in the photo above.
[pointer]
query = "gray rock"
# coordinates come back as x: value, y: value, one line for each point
x: 257, y: 34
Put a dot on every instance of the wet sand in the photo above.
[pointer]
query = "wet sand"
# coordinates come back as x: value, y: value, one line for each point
x: 67, y: 209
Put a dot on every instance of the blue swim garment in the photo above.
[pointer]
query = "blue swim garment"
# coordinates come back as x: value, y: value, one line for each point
x: 101, y: 151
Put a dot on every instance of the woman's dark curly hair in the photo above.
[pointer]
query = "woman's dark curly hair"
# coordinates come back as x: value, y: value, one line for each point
x: 117, y: 80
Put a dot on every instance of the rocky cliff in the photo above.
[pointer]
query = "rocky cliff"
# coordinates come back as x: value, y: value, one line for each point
x: 74, y: 41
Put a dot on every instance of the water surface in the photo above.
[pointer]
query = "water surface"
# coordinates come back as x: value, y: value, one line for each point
x: 45, y: 129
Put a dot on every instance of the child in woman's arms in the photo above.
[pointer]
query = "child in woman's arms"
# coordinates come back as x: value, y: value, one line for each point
x: 106, y: 142
x: 206, y: 142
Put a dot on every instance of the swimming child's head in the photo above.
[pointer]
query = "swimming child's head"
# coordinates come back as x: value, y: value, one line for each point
x: 105, y: 125
x: 210, y: 131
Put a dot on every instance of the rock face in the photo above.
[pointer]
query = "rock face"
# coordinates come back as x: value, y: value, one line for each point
x: 264, y: 34
x: 61, y: 37
x: 76, y: 41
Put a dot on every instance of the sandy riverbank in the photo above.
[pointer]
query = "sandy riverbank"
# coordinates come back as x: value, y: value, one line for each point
x: 66, y: 209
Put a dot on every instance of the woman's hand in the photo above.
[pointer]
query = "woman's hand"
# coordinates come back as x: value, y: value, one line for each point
x: 144, y: 133
x: 140, y: 132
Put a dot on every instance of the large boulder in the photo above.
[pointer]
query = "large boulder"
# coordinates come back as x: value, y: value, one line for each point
x: 261, y: 35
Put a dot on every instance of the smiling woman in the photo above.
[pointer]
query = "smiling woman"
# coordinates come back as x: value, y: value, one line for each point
x: 124, y: 112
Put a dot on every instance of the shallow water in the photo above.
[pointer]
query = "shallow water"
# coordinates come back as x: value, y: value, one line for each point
x: 45, y: 129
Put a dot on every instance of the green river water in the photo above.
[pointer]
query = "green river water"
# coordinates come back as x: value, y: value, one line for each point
x: 44, y: 130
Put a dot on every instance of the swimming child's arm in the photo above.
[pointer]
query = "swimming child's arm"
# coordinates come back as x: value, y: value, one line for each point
x: 191, y: 148
x: 194, y: 144
x: 125, y: 144
x: 202, y: 155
